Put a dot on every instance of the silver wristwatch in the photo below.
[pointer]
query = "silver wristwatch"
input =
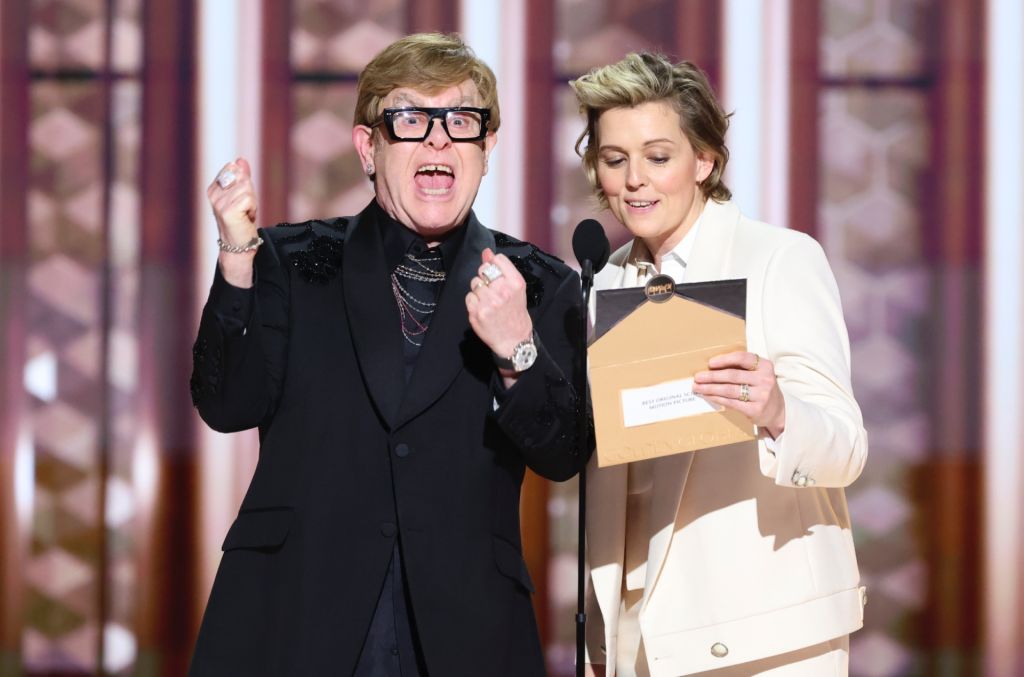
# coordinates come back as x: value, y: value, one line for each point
x: 522, y: 358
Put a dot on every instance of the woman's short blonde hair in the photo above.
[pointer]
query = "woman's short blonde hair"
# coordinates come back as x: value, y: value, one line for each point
x: 426, y: 62
x: 644, y: 78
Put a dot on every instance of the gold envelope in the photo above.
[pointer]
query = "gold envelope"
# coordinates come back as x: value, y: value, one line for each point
x: 657, y: 342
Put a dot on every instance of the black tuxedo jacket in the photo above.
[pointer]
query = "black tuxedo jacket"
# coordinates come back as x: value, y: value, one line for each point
x: 352, y: 458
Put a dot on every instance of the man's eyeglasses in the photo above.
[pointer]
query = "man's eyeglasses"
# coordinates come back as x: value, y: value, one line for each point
x: 414, y: 124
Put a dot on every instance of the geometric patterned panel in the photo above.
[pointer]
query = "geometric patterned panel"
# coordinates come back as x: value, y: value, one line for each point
x: 876, y: 38
x: 874, y: 153
x: 336, y: 37
x: 80, y: 371
x: 340, y: 35
x: 67, y: 34
x: 327, y: 178
x: 590, y: 34
x: 874, y: 149
x: 64, y: 349
x: 874, y: 157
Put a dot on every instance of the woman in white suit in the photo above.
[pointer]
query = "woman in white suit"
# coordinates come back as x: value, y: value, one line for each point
x: 734, y: 560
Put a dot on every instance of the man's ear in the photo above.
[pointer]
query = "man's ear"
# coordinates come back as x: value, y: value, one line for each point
x: 489, y: 142
x: 362, y: 139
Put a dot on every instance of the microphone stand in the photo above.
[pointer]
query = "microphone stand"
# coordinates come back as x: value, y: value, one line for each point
x: 582, y: 442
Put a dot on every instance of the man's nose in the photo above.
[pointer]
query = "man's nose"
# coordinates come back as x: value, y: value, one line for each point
x: 436, y: 136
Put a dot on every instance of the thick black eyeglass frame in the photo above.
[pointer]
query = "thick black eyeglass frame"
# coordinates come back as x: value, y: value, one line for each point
x: 388, y: 118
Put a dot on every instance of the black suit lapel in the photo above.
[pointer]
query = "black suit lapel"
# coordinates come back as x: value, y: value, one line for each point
x: 441, y: 357
x: 372, y: 315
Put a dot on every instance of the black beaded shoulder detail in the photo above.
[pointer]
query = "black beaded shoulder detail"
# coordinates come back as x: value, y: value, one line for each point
x: 320, y: 261
x: 525, y: 263
x: 533, y: 254
x: 534, y: 285
x: 504, y: 241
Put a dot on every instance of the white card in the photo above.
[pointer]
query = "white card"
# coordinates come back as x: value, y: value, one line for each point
x: 663, y: 402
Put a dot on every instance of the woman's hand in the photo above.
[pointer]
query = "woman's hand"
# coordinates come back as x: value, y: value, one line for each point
x: 496, y: 304
x: 233, y: 198
x: 745, y: 382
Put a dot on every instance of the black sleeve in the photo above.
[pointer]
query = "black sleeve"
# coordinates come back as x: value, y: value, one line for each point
x: 238, y: 359
x: 540, y: 412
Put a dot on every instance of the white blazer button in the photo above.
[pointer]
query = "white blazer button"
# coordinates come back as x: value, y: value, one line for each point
x: 719, y: 650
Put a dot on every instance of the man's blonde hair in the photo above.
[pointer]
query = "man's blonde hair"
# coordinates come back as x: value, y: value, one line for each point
x: 644, y: 78
x: 426, y: 62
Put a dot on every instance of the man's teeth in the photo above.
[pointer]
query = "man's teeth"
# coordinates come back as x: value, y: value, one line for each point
x: 445, y: 169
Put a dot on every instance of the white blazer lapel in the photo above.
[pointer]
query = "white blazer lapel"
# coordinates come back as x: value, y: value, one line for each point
x: 709, y: 258
x: 670, y: 475
x: 708, y: 261
x: 606, y: 538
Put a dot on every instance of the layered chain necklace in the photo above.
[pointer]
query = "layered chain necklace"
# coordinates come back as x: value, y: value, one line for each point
x: 416, y: 298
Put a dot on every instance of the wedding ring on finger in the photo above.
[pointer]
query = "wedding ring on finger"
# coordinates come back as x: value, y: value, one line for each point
x: 757, y: 361
x: 744, y: 392
x: 490, y: 273
x: 226, y: 178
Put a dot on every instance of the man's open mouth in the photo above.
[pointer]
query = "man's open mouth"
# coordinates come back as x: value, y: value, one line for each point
x: 435, y: 179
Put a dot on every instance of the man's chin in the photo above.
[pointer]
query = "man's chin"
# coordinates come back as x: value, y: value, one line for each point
x: 437, y: 221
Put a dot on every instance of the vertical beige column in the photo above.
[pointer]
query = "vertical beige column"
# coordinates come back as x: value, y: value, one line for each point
x: 496, y: 32
x: 1004, y: 338
x: 229, y: 63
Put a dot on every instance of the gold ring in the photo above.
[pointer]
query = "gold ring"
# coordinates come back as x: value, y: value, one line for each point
x: 744, y: 392
x: 757, y: 361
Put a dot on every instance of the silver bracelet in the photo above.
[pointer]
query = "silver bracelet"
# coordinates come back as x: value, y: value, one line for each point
x: 247, y: 247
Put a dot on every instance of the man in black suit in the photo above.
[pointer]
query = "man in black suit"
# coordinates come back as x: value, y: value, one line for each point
x: 403, y: 366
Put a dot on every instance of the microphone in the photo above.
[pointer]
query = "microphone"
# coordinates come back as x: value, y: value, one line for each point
x: 590, y: 245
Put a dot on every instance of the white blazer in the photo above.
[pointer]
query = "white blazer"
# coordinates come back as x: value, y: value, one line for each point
x: 750, y: 551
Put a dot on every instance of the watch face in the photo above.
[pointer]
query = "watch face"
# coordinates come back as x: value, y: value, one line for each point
x: 525, y: 356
